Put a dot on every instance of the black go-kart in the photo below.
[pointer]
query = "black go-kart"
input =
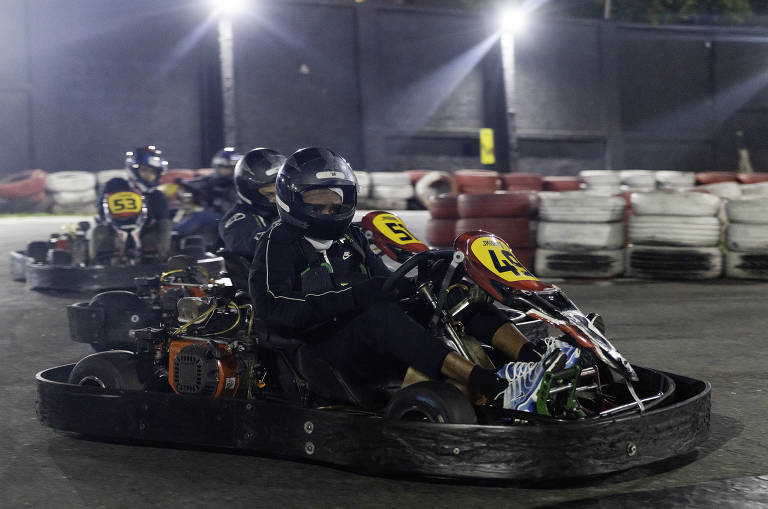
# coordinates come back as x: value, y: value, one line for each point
x: 219, y: 378
x: 63, y: 263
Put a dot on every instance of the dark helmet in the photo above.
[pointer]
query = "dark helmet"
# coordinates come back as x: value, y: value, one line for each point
x: 145, y: 156
x: 226, y: 157
x: 316, y: 168
x: 257, y: 168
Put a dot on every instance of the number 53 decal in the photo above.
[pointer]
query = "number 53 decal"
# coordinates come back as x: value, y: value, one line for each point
x: 496, y: 256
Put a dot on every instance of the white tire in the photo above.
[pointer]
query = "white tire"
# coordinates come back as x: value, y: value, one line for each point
x: 580, y: 207
x: 392, y: 192
x: 105, y: 176
x: 364, y: 183
x: 382, y: 204
x: 664, y: 262
x: 591, y: 264
x: 746, y: 265
x: 432, y: 184
x: 759, y: 189
x: 603, y: 190
x: 597, y: 178
x: 74, y: 197
x: 748, y: 210
x: 675, y: 179
x: 580, y: 236
x: 64, y: 181
x: 638, y: 179
x: 660, y: 203
x: 75, y: 209
x: 701, y: 231
x: 746, y: 237
x: 727, y: 190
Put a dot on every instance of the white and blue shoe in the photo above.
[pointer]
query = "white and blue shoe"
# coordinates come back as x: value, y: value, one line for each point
x: 571, y: 352
x: 525, y: 380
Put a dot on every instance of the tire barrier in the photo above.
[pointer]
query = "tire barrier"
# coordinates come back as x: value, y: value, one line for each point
x: 560, y: 183
x: 516, y: 231
x: 441, y: 232
x: 575, y: 237
x: 86, y: 196
x: 674, y: 231
x: 602, y: 182
x: 580, y: 207
x: 39, y: 202
x: 714, y: 177
x: 587, y: 264
x: 752, y: 178
x: 432, y: 184
x: 70, y: 181
x: 637, y: 180
x: 22, y: 184
x: 476, y: 181
x: 675, y: 203
x: 756, y: 189
x: 389, y: 190
x: 746, y: 237
x: 746, y: 265
x: 665, y: 262
x: 416, y: 175
x: 444, y: 206
x: 675, y: 179
x: 104, y: 176
x: 77, y: 209
x: 364, y: 184
x: 521, y: 181
x: 754, y: 210
x: 498, y: 204
x: 728, y: 190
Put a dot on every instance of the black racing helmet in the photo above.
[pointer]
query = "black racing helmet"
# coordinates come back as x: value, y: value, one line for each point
x: 257, y: 168
x: 147, y: 156
x: 316, y: 168
x: 225, y: 158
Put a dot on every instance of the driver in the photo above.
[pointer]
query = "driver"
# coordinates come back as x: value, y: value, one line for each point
x: 145, y: 166
x: 313, y: 274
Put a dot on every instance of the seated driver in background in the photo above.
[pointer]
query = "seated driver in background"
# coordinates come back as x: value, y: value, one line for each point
x: 314, y: 276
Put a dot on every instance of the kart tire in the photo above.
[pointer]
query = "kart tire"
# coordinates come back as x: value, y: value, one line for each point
x: 444, y: 206
x: 22, y: 184
x: 433, y: 184
x: 672, y: 179
x: 364, y: 183
x: 580, y: 207
x: 498, y: 204
x: 600, y: 178
x: 580, y: 236
x: 516, y: 231
x: 746, y: 265
x: 521, y: 181
x: 715, y: 177
x: 588, y: 264
x: 37, y: 250
x: 431, y: 401
x: 416, y: 175
x: 665, y: 262
x: 122, y: 311
x: 560, y: 183
x: 441, y: 232
x: 682, y: 231
x: 660, y: 203
x: 756, y: 189
x: 752, y: 178
x: 86, y: 196
x: 746, y: 237
x: 69, y: 181
x: 752, y: 211
x: 638, y: 179
x: 476, y: 181
x: 727, y: 190
x: 115, y: 370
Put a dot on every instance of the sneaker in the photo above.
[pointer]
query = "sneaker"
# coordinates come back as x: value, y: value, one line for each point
x: 525, y: 380
x: 571, y: 352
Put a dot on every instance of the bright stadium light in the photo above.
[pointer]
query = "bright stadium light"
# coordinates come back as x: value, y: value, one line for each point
x: 228, y: 6
x: 513, y: 19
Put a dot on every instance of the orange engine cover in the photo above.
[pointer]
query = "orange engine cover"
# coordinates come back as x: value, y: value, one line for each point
x: 192, y: 369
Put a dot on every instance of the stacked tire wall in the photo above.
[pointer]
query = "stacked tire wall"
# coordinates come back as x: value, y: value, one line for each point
x: 746, y: 238
x: 72, y: 192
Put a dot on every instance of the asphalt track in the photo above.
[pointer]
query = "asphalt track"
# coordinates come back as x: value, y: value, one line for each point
x: 714, y: 331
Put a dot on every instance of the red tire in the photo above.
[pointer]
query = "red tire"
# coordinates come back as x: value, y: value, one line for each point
x: 170, y: 176
x: 498, y: 204
x: 713, y: 177
x: 561, y: 183
x: 415, y: 175
x: 476, y: 181
x: 22, y: 184
x: 516, y: 231
x: 752, y: 178
x: 444, y: 206
x: 441, y: 232
x: 521, y: 181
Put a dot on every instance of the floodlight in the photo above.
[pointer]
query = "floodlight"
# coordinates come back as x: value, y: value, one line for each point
x: 513, y: 19
x: 228, y: 6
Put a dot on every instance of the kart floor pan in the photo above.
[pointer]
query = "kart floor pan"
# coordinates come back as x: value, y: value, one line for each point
x: 96, y: 278
x: 372, y: 444
x: 19, y: 260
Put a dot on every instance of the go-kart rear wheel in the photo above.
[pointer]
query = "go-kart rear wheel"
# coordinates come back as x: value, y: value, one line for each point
x: 112, y: 370
x: 431, y: 402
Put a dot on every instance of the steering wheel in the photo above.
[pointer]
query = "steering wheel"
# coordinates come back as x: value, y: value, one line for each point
x: 413, y: 261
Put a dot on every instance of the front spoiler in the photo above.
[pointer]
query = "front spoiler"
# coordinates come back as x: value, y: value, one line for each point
x: 533, y: 451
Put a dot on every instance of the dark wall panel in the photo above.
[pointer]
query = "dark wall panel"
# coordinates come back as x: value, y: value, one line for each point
x: 110, y: 75
x: 296, y: 79
x: 558, y: 78
x: 670, y: 155
x: 13, y: 45
x: 560, y: 157
x: 14, y: 129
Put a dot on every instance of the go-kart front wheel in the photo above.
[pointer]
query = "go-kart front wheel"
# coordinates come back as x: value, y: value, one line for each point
x: 431, y: 402
x: 112, y: 370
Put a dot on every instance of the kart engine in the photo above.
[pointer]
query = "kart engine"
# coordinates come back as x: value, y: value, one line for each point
x: 203, y: 368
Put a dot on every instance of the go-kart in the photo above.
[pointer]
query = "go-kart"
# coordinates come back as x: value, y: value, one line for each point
x: 220, y: 378
x: 63, y: 262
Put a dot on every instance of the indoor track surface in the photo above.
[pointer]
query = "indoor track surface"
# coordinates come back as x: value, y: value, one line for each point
x: 715, y: 331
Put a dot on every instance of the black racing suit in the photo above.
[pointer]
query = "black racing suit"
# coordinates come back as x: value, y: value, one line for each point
x: 333, y: 300
x: 239, y: 229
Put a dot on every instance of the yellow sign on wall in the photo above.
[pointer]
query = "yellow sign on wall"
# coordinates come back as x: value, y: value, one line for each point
x: 487, y: 150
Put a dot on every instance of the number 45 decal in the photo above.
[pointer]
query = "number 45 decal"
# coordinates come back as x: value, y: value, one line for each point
x: 507, y: 263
